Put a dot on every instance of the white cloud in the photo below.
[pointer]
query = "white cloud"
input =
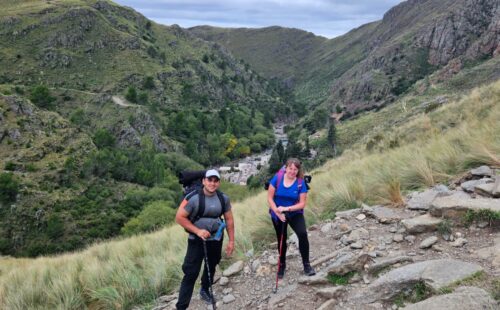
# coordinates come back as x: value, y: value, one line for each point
x: 329, y: 18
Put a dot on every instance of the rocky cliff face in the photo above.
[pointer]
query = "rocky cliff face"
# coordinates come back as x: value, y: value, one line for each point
x: 413, y: 40
x: 372, y: 65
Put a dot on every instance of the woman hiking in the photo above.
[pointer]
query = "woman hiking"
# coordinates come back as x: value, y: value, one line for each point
x: 287, y: 196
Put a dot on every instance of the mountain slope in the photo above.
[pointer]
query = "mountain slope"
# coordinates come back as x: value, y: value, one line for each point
x: 118, y: 106
x: 275, y: 52
x: 371, y: 65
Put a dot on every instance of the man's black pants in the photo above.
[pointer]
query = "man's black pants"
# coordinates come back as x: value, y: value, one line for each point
x: 191, y: 268
x: 298, y: 224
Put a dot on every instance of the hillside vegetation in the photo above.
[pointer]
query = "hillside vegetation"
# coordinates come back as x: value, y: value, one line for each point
x: 439, y: 144
x: 100, y: 108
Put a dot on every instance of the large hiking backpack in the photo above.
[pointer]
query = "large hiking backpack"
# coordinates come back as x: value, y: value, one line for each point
x: 191, y: 181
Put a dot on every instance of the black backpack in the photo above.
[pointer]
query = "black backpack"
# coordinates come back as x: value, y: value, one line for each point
x: 191, y: 181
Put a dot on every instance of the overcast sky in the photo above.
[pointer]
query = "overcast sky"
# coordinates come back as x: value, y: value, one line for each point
x: 329, y: 18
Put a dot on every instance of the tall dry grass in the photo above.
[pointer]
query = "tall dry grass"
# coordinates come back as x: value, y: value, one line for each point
x: 122, y: 273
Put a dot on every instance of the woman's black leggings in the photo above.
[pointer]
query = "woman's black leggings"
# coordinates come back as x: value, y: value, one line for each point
x: 298, y: 224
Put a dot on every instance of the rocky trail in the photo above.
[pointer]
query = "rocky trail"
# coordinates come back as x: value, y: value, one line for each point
x: 420, y: 256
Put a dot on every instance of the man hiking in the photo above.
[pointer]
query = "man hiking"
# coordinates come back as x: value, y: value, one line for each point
x: 200, y: 215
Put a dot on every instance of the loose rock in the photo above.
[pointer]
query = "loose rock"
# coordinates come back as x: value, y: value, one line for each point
x: 233, y: 269
x: 428, y: 242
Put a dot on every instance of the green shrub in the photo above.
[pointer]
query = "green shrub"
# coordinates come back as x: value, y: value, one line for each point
x: 148, y: 82
x: 485, y: 215
x: 131, y: 94
x: 415, y: 294
x: 19, y: 90
x: 341, y: 279
x: 31, y: 167
x: 79, y: 118
x: 155, y: 215
x: 142, y: 98
x: 103, y: 138
x: 444, y: 227
x: 10, y: 166
x: 9, y: 187
x: 55, y: 227
x: 40, y: 95
x: 205, y: 58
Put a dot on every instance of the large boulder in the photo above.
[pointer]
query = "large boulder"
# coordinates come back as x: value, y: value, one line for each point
x: 462, y: 298
x: 387, y: 215
x: 423, y: 200
x: 482, y: 171
x: 386, y: 262
x: 435, y: 274
x: 469, y: 186
x: 487, y: 189
x: 348, y: 214
x: 421, y: 224
x: 455, y: 206
x: 347, y: 263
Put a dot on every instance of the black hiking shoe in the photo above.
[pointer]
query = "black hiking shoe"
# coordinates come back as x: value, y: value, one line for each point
x: 309, y: 270
x: 281, y: 270
x: 205, y: 296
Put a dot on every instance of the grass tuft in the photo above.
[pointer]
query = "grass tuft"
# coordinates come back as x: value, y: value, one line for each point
x: 337, y: 279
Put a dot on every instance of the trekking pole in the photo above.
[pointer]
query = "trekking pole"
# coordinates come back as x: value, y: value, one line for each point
x: 209, y: 276
x: 279, y: 257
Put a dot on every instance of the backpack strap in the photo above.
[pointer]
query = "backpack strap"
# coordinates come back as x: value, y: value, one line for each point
x: 222, y: 202
x: 279, y: 176
x: 201, y: 203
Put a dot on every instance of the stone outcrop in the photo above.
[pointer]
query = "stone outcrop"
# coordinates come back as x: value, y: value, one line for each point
x: 455, y: 206
x: 423, y: 200
x: 387, y: 215
x: 435, y: 274
x: 461, y: 298
x: 443, y: 34
x: 421, y: 223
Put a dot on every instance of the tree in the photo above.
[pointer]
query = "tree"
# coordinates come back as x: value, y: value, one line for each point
x: 332, y: 135
x: 103, y: 138
x: 131, y: 94
x: 205, y: 59
x: 40, y: 95
x: 293, y: 150
x: 148, y: 82
x: 277, y: 158
x: 9, y: 186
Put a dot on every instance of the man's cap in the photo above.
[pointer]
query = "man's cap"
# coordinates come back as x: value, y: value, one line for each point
x: 212, y: 173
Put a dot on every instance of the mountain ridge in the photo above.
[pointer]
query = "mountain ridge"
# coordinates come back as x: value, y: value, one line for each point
x: 436, y: 29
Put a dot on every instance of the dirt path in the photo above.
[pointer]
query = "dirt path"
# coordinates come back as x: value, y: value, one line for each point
x: 119, y: 101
